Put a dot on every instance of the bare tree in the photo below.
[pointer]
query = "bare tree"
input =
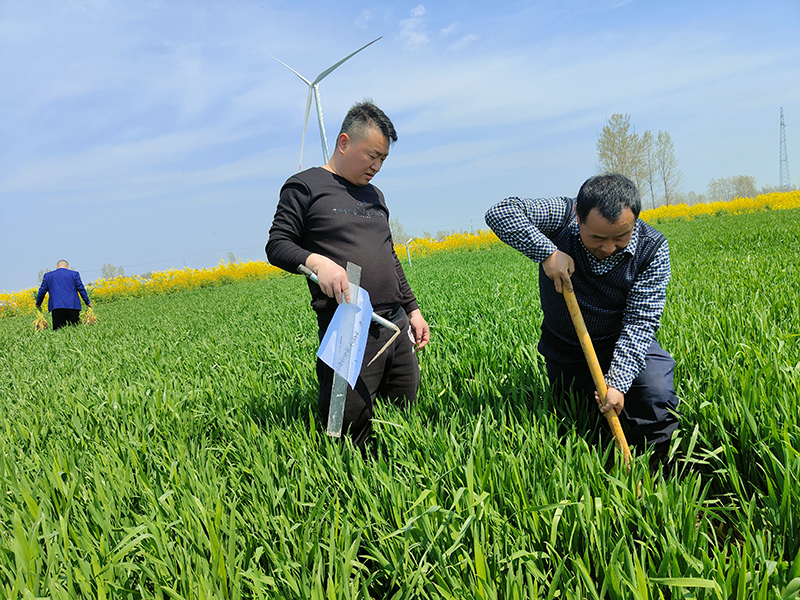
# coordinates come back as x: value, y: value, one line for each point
x: 399, y: 235
x: 720, y: 190
x: 111, y: 272
x: 726, y: 189
x: 744, y: 186
x: 671, y: 177
x: 41, y: 274
x: 619, y: 150
x: 768, y: 189
x: 692, y: 198
x: 616, y: 146
x: 649, y: 164
x: 231, y: 258
x: 646, y: 160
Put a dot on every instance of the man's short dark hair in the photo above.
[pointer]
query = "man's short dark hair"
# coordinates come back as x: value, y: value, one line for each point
x: 610, y: 194
x: 364, y: 115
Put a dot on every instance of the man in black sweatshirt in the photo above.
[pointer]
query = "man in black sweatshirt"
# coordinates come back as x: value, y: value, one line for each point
x: 330, y: 215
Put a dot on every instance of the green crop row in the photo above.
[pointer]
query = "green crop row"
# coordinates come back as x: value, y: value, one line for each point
x: 173, y: 450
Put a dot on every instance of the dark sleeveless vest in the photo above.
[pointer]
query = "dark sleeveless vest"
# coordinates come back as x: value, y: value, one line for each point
x: 602, y: 298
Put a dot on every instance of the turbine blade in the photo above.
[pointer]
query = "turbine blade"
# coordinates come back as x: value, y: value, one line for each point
x: 327, y: 71
x: 291, y: 69
x: 314, y: 88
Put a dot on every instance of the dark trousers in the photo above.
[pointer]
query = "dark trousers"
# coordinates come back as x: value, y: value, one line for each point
x: 65, y: 316
x: 651, y: 404
x: 393, y: 376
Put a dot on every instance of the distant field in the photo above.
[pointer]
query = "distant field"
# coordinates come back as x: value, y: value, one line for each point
x: 180, y: 280
x: 173, y: 451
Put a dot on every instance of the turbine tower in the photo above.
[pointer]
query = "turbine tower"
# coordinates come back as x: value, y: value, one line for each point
x: 785, y: 182
x: 313, y: 88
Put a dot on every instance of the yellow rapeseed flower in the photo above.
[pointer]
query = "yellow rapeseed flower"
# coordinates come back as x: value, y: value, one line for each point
x: 738, y: 206
x: 458, y: 241
x: 177, y: 280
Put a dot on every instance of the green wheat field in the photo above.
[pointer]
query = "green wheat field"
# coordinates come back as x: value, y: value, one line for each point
x: 172, y: 450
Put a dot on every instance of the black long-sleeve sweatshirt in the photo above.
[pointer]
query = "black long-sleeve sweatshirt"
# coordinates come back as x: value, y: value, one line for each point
x: 322, y: 213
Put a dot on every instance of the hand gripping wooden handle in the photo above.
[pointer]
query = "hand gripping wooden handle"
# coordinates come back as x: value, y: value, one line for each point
x: 597, y: 372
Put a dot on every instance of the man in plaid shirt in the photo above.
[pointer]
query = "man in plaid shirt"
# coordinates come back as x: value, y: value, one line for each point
x: 619, y: 268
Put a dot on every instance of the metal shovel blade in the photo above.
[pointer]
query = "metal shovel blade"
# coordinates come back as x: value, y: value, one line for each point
x: 344, y: 348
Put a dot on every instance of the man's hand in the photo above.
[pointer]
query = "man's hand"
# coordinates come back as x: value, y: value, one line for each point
x: 558, y: 267
x: 332, y: 278
x: 614, y: 399
x: 419, y: 329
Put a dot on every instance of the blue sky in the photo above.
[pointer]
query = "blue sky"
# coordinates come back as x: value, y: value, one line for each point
x: 154, y: 134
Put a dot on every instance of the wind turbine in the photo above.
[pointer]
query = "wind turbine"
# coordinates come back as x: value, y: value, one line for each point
x: 313, y: 87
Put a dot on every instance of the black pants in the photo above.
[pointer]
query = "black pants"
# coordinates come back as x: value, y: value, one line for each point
x: 650, y: 404
x: 65, y: 316
x: 393, y: 376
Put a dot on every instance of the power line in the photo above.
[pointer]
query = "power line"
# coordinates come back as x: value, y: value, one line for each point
x: 736, y: 153
x: 184, y: 257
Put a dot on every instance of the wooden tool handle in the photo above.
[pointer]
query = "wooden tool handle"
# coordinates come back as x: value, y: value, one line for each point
x: 597, y: 372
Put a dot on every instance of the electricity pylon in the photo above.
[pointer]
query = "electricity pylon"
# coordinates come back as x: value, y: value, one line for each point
x: 313, y: 88
x: 785, y: 182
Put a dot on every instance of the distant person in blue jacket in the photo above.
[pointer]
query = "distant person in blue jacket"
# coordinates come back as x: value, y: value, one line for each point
x: 64, y: 303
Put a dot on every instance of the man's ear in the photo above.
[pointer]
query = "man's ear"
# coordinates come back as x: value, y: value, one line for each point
x: 342, y: 142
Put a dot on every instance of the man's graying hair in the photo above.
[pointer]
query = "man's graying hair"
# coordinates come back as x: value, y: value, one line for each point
x: 364, y: 115
x: 609, y: 194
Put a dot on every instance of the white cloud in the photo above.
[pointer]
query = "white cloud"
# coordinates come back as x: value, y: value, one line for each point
x: 463, y: 42
x: 87, y: 7
x: 449, y: 30
x: 362, y: 22
x: 133, y: 108
x: 113, y: 166
x: 533, y: 84
x: 413, y: 31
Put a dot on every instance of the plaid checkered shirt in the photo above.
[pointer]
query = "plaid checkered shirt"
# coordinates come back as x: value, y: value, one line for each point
x: 525, y: 224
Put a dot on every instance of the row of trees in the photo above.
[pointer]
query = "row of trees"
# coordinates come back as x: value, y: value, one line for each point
x: 442, y: 233
x: 399, y: 235
x: 109, y: 272
x: 648, y: 160
x: 726, y: 189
